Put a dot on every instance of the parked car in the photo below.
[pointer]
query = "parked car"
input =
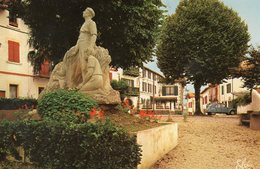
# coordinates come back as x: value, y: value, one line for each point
x: 214, y: 108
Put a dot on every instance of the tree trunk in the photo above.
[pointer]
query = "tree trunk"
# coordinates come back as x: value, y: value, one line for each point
x: 197, y: 99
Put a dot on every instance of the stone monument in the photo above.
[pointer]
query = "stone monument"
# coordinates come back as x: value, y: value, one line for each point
x: 85, y: 66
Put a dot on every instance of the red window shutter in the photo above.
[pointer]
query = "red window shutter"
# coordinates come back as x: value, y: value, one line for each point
x: 13, y: 51
x: 10, y: 51
x: 16, y: 52
x: 110, y: 76
x: 2, y: 94
x: 45, y: 68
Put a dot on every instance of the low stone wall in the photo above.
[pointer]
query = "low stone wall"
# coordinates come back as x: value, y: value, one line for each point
x: 255, y: 121
x: 256, y: 100
x: 244, y: 109
x: 156, y: 143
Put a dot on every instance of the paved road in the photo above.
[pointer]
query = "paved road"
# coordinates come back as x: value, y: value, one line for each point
x: 213, y: 143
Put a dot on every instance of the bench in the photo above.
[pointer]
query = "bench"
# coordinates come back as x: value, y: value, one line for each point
x: 245, y: 119
x: 251, y: 119
x: 255, y: 120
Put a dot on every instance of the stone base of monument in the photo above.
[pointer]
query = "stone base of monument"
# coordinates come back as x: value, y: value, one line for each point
x: 109, y: 108
x: 110, y: 99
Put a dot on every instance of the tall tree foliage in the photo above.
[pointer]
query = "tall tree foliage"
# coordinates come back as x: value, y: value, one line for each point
x: 251, y: 71
x: 127, y: 28
x: 200, y: 42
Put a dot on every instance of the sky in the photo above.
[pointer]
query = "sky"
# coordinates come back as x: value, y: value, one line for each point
x: 248, y: 10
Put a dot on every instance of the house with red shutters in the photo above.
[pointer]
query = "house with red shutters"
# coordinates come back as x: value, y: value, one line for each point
x: 207, y: 95
x: 16, y: 73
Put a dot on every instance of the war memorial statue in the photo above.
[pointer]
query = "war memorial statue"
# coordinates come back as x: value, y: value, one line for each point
x: 85, y: 66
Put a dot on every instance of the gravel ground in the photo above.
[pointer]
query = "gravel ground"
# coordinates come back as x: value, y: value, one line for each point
x: 213, y: 143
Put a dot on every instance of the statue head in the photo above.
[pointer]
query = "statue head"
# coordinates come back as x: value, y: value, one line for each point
x: 88, y: 12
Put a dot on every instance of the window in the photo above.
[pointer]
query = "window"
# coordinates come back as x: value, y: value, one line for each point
x: 144, y: 73
x: 222, y: 90
x: 13, y: 89
x: 229, y: 88
x: 154, y: 77
x: 163, y: 90
x: 206, y: 100
x: 129, y: 82
x: 144, y: 87
x: 150, y: 89
x: 149, y: 74
x: 2, y: 94
x: 171, y: 90
x: 175, y: 92
x: 154, y: 89
x: 13, y: 51
x: 40, y: 89
x: 13, y: 19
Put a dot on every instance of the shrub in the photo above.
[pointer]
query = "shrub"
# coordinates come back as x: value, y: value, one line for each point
x: 178, y: 112
x: 242, y: 100
x: 131, y: 71
x: 65, y: 106
x: 16, y: 103
x: 49, y: 144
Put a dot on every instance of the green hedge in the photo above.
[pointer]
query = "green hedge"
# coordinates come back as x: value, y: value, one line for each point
x: 65, y: 106
x: 16, y: 103
x: 75, y: 146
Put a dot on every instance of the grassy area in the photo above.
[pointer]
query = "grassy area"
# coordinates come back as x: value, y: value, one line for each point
x: 127, y: 121
x: 131, y: 123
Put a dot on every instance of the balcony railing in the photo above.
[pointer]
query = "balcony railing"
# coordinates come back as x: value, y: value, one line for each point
x: 133, y: 91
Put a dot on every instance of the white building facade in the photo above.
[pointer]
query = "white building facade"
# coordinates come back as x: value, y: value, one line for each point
x: 16, y: 73
x: 229, y: 90
x: 146, y: 92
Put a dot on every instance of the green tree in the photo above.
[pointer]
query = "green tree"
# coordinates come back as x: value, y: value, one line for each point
x: 128, y: 29
x: 120, y: 86
x: 200, y: 42
x: 251, y: 72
